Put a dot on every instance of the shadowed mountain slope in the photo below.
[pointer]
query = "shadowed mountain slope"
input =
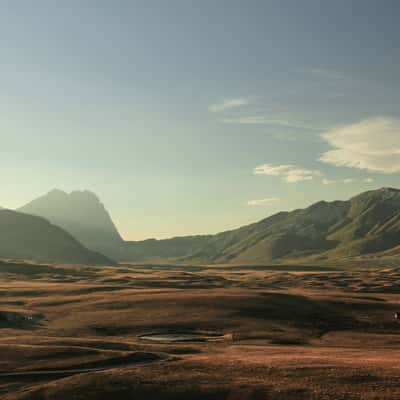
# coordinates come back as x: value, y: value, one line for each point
x: 82, y: 215
x: 28, y: 237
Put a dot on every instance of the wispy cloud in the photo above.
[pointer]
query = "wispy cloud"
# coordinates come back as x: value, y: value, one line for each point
x: 228, y: 104
x: 290, y: 173
x: 269, y: 120
x: 372, y: 144
x: 246, y: 111
x: 262, y: 202
x: 326, y: 181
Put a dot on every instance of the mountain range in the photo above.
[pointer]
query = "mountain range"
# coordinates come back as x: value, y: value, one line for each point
x: 368, y: 223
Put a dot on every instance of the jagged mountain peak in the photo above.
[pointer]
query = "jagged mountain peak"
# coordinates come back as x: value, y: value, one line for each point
x: 80, y: 213
x: 75, y: 194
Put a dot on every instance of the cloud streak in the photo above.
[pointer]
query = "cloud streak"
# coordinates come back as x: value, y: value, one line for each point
x: 290, y: 173
x: 268, y: 120
x: 372, y: 144
x: 228, y: 104
x: 243, y: 111
x: 346, y: 181
x: 262, y: 202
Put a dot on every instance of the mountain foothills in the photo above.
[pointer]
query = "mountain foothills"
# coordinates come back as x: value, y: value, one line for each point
x: 173, y: 249
x: 29, y: 237
x: 366, y: 224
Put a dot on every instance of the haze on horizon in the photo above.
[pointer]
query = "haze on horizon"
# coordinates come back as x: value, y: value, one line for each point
x: 189, y: 118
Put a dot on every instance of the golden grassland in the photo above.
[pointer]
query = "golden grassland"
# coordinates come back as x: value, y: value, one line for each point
x: 70, y: 332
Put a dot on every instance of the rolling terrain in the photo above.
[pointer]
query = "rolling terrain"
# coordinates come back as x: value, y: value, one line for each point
x: 271, y: 332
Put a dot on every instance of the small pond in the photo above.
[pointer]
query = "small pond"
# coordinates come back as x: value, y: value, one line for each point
x: 181, y: 337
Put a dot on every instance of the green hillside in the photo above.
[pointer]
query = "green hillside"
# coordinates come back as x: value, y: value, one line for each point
x: 367, y: 223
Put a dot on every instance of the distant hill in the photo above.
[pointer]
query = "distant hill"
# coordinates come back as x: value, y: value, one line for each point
x: 163, y: 250
x: 367, y: 223
x: 28, y: 237
x: 82, y: 215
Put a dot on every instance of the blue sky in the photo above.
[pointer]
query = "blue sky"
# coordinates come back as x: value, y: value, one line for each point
x: 198, y: 116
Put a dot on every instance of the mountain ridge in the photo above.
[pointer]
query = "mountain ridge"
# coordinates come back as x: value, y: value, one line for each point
x: 366, y: 223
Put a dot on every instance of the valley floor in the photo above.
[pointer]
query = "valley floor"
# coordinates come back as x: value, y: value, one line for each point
x: 247, y: 332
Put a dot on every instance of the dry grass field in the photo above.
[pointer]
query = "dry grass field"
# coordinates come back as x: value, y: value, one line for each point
x: 237, y: 332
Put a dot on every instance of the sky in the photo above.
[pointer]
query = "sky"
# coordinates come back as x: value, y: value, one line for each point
x: 189, y: 116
